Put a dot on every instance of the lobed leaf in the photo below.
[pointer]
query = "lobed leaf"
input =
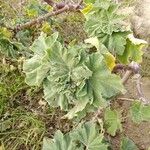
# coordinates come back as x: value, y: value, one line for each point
x: 89, y: 137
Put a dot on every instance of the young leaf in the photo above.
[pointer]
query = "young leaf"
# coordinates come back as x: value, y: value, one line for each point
x: 127, y: 144
x: 112, y: 120
x: 139, y: 112
x: 89, y: 137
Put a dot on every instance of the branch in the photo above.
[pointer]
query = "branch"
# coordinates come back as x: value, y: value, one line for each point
x: 139, y: 90
x: 133, y: 68
x: 126, y: 76
x: 43, y: 18
x: 58, y: 9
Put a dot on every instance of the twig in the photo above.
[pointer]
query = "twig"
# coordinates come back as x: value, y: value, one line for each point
x: 139, y: 89
x: 126, y: 99
x: 126, y: 76
x: 133, y: 69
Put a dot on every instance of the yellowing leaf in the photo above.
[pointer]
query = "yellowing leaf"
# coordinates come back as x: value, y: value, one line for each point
x: 110, y: 60
x: 93, y: 41
x: 46, y: 28
x: 87, y: 9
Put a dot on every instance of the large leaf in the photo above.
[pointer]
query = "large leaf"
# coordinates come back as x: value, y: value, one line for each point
x: 139, y: 112
x: 101, y: 74
x: 133, y: 50
x: 37, y: 67
x: 112, y: 121
x: 60, y: 142
x: 89, y: 137
x: 127, y: 144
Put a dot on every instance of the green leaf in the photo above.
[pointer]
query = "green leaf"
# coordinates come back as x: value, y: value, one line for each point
x: 112, y: 120
x: 73, y: 82
x: 36, y: 70
x: 97, y: 82
x: 10, y: 48
x: 60, y: 142
x: 116, y: 42
x: 127, y: 144
x: 37, y: 67
x: 71, y: 77
x: 67, y: 72
x: 89, y: 137
x: 133, y: 50
x: 139, y: 112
